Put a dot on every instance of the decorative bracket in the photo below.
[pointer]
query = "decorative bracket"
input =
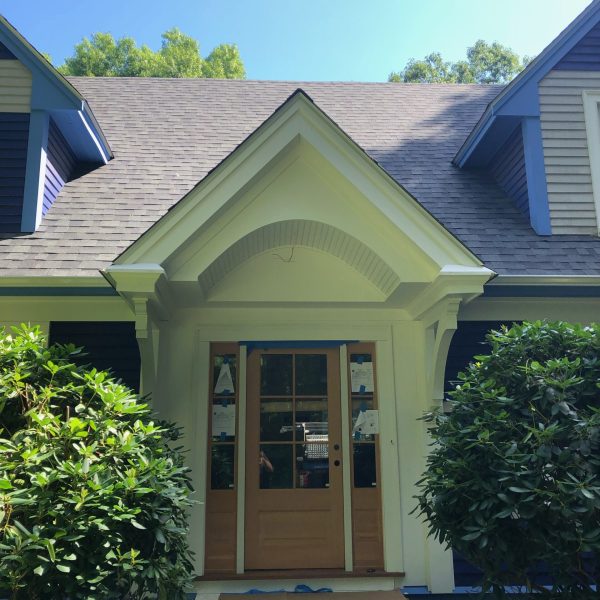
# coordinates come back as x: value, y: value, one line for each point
x: 145, y: 289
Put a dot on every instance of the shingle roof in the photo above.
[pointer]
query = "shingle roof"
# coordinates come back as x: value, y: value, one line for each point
x: 167, y: 134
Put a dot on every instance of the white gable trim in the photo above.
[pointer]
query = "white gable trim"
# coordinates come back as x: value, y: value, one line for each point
x: 298, y: 118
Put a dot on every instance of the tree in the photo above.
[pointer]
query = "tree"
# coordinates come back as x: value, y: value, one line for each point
x: 513, y: 480
x: 485, y: 63
x: 93, y: 498
x: 178, y: 56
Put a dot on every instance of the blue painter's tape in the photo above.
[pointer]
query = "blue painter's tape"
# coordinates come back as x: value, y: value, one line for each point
x: 357, y: 436
x: 360, y: 360
x: 295, y: 344
x: 226, y: 361
x: 362, y: 389
x: 363, y: 406
x: 224, y: 402
x: 223, y: 435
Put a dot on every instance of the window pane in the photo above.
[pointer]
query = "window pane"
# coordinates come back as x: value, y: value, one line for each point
x: 224, y: 375
x: 311, y: 374
x: 276, y: 375
x: 312, y: 420
x: 276, y: 420
x: 360, y: 404
x: 222, y: 466
x: 223, y: 420
x: 312, y: 465
x: 276, y: 466
x: 365, y: 470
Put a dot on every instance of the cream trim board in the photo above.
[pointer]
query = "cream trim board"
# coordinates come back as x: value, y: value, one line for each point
x: 346, y: 454
x: 591, y: 109
x: 199, y: 441
x: 241, y: 464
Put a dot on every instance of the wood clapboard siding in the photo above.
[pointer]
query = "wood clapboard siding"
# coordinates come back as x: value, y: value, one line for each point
x: 14, y: 132
x: 59, y: 166
x: 108, y: 345
x: 15, y: 87
x: 508, y: 168
x: 585, y: 55
x: 568, y: 174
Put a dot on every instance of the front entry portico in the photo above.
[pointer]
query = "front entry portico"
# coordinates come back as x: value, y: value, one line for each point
x: 299, y: 238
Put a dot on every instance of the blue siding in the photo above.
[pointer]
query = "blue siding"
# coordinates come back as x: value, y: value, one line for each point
x: 14, y: 132
x: 585, y: 55
x: 108, y: 345
x: 467, y: 342
x: 508, y: 169
x: 5, y: 53
x: 59, y: 166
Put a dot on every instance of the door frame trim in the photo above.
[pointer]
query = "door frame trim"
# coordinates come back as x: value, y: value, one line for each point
x: 377, y: 331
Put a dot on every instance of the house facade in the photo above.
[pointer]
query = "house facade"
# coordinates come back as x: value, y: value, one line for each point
x: 295, y: 272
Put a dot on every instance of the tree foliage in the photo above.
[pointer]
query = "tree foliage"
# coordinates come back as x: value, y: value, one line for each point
x: 178, y: 56
x: 513, y: 479
x: 93, y: 499
x: 485, y: 63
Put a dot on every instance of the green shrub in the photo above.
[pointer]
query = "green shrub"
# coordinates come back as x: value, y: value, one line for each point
x: 514, y: 475
x: 93, y: 499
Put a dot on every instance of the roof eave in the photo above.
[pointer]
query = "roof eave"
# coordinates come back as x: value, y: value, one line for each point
x: 534, y: 72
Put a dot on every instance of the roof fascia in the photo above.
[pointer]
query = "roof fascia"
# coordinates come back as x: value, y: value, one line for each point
x: 55, y: 286
x: 520, y: 96
x: 54, y: 93
x: 543, y: 286
x: 61, y: 94
x: 238, y: 160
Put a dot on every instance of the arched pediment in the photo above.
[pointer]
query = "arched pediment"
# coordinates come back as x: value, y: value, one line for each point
x: 298, y: 260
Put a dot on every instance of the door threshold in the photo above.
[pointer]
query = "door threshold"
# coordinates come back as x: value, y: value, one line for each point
x: 298, y: 574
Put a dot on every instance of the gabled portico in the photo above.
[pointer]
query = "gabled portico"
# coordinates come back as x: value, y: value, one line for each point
x: 300, y: 241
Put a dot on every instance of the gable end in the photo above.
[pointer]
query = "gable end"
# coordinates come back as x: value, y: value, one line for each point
x: 585, y: 55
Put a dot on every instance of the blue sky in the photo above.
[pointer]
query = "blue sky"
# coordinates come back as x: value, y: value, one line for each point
x: 354, y: 40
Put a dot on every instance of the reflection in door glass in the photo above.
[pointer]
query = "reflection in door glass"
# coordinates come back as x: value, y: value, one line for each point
x: 276, y: 375
x: 221, y: 466
x: 312, y: 465
x: 365, y: 469
x: 311, y: 418
x: 276, y: 420
x: 311, y: 374
x: 275, y: 463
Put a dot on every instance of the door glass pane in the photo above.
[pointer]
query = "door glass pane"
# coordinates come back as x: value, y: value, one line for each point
x: 224, y: 375
x: 311, y: 374
x: 275, y: 463
x: 276, y: 375
x: 361, y: 404
x: 365, y: 470
x: 276, y: 420
x: 223, y: 420
x: 312, y: 420
x: 222, y: 466
x: 312, y: 465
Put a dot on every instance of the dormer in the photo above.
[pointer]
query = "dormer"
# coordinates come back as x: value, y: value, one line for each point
x: 540, y: 137
x: 48, y: 134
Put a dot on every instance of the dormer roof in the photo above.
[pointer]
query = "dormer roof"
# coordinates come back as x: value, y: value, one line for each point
x: 519, y: 98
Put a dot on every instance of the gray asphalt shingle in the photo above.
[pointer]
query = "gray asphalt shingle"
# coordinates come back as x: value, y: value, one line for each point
x: 167, y: 134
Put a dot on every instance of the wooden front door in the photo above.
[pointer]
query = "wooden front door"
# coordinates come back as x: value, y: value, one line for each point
x: 294, y: 495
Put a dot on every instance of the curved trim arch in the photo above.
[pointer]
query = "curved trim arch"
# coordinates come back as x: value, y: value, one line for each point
x: 309, y: 234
